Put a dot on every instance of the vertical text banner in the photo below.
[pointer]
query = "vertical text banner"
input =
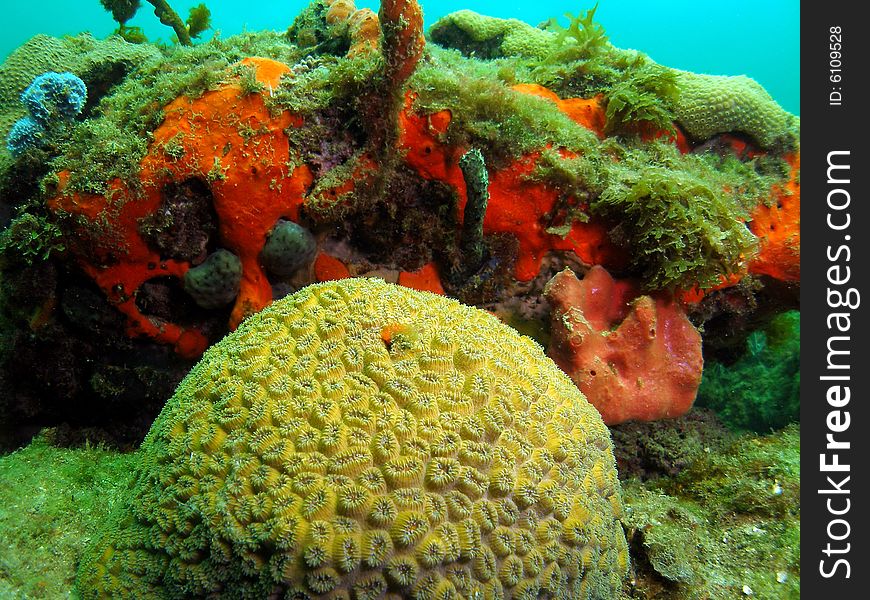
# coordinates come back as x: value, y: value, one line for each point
x: 835, y: 261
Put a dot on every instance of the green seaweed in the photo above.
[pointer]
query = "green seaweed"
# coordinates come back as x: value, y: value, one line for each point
x: 326, y: 82
x: 134, y: 35
x: 682, y: 215
x: 51, y: 502
x: 726, y: 527
x: 489, y: 115
x: 113, y: 141
x: 642, y: 95
x: 673, y: 211
x: 198, y: 20
x: 97, y: 152
x: 582, y: 37
x: 247, y: 79
x: 122, y: 10
x: 760, y: 391
x: 31, y: 238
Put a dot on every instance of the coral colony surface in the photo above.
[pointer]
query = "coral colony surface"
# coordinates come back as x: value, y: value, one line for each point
x: 358, y: 310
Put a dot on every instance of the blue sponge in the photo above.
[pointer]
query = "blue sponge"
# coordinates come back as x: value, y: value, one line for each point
x: 50, y: 97
x: 26, y: 133
x: 55, y: 95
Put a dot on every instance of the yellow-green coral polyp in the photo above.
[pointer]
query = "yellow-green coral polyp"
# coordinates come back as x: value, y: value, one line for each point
x: 457, y: 462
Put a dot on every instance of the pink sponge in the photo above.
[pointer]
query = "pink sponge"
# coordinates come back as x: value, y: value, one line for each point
x: 635, y: 357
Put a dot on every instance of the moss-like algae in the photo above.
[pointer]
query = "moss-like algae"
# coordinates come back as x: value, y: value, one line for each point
x: 30, y: 238
x: 670, y: 193
x: 113, y: 141
x: 642, y: 97
x: 488, y: 114
x: 681, y: 216
x: 726, y: 527
x: 51, y: 503
x: 682, y: 225
x: 761, y: 390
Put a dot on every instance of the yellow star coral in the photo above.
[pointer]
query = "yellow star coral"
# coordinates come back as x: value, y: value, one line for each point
x: 711, y: 104
x: 360, y: 439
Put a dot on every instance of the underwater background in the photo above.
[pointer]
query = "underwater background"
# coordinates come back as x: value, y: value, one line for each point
x: 207, y: 390
x: 734, y: 37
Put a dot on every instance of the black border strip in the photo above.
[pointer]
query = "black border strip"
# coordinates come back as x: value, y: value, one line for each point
x: 835, y: 362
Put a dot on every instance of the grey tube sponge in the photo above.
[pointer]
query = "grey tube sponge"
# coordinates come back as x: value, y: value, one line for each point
x: 216, y: 282
x: 476, y: 185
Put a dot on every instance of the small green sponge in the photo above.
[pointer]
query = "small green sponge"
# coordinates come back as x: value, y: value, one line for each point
x: 288, y: 247
x: 216, y: 282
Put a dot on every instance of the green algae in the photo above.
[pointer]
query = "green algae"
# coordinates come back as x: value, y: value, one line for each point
x: 647, y: 194
x: 30, y: 238
x: 648, y: 450
x: 681, y: 215
x: 52, y: 501
x: 198, y: 20
x: 114, y: 140
x: 682, y: 226
x: 487, y: 114
x: 761, y: 390
x: 642, y: 96
x: 725, y: 527
x: 587, y: 35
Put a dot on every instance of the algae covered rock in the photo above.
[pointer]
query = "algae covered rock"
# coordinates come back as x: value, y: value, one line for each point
x: 490, y: 37
x: 728, y: 522
x: 711, y: 104
x: 359, y: 439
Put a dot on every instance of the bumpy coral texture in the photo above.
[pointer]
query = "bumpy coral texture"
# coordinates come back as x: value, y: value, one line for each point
x: 83, y: 55
x: 55, y: 96
x: 490, y: 37
x: 26, y: 133
x: 360, y: 439
x: 635, y: 357
x: 711, y: 104
x: 50, y: 98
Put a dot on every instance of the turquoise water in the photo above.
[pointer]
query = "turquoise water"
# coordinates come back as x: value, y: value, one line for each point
x: 737, y: 37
